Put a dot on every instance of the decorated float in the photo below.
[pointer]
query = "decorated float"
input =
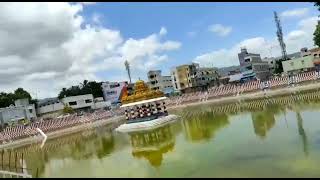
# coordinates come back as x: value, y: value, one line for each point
x: 144, y: 109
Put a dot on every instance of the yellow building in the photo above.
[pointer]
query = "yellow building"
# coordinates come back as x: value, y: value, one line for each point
x: 183, y: 76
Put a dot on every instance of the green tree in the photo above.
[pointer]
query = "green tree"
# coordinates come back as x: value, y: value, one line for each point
x: 67, y: 109
x: 20, y: 93
x: 316, y: 34
x: 6, y: 99
x: 278, y: 67
x: 317, y: 4
x: 86, y: 87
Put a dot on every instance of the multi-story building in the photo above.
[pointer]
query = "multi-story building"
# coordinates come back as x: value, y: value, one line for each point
x: 226, y: 71
x: 315, y: 52
x: 159, y: 82
x: 22, y: 110
x: 112, y: 92
x: 192, y: 77
x: 183, y: 77
x: 252, y: 66
x: 272, y: 63
x: 206, y: 77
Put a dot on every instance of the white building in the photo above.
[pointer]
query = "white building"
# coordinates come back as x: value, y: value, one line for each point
x: 53, y: 106
x: 20, y: 111
x: 159, y: 82
x: 79, y: 102
x: 49, y: 105
x: 112, y: 92
x: 99, y: 103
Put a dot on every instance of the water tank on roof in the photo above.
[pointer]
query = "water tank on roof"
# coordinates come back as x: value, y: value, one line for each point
x: 244, y: 50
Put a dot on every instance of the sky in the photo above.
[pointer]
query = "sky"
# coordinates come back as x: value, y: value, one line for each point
x: 51, y: 45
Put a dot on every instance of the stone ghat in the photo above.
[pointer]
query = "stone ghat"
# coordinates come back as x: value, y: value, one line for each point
x: 11, y: 134
x: 300, y: 99
x: 231, y: 90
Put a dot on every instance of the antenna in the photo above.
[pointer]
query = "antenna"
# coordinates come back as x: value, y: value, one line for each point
x: 280, y: 37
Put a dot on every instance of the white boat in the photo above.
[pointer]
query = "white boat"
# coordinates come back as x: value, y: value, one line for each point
x: 147, y: 125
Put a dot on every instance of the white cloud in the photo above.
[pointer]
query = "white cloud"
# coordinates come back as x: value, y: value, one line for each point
x: 96, y: 18
x: 295, y: 12
x: 47, y: 46
x: 220, y: 30
x: 163, y: 31
x: 294, y: 40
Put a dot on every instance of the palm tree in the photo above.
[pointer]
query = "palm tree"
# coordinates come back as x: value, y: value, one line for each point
x: 126, y: 63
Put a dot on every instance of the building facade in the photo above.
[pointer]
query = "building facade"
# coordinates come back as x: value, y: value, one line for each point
x: 272, y: 63
x: 315, y: 52
x: 252, y: 64
x: 49, y: 105
x: 297, y: 65
x: 22, y: 110
x: 112, y: 92
x: 79, y: 102
x: 159, y: 82
x: 207, y: 77
x: 183, y: 77
x: 53, y: 107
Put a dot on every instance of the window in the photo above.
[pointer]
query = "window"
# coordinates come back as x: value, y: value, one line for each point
x: 73, y: 103
x: 88, y: 101
x: 111, y: 92
x: 30, y: 110
x: 114, y: 85
x: 247, y: 60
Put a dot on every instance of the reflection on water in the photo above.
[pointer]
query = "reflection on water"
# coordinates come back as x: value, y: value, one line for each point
x: 203, y: 126
x: 302, y: 133
x: 262, y: 138
x: 152, y: 145
x: 263, y: 121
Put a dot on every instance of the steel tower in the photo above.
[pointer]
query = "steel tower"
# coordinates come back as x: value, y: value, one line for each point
x: 280, y: 37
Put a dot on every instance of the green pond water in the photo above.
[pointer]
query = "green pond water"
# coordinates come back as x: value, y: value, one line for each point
x: 277, y: 137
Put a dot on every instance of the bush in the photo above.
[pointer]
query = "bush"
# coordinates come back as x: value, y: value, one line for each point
x: 68, y: 109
